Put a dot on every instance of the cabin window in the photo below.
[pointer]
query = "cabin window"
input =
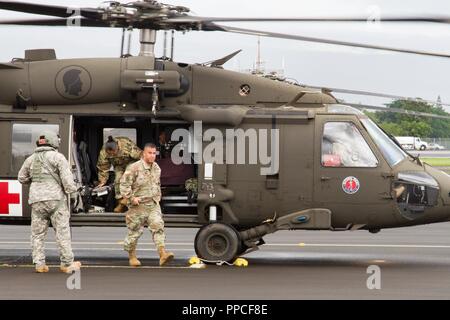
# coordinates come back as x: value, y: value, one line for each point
x: 344, y: 146
x: 24, y: 138
x: 120, y: 132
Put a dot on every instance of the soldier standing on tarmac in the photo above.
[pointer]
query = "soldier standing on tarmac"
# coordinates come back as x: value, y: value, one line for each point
x: 49, y: 173
x: 141, y: 187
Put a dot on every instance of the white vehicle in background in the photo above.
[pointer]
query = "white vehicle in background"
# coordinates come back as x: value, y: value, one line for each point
x: 435, y: 146
x: 412, y: 143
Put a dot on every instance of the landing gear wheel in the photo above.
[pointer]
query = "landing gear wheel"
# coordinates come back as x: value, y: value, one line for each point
x: 218, y: 242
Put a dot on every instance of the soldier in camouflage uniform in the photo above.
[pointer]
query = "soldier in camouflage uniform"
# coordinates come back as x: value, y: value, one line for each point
x: 191, y: 186
x: 141, y: 186
x: 49, y: 173
x: 118, y: 152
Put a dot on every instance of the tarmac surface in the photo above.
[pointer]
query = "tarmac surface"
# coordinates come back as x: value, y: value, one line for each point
x: 414, y: 263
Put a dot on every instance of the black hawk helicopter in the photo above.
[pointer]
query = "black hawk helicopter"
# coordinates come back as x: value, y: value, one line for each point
x: 310, y: 162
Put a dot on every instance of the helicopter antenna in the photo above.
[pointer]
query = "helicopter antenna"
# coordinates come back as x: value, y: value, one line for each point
x: 258, y: 56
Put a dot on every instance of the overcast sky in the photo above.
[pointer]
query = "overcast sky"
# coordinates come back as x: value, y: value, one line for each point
x: 315, y: 64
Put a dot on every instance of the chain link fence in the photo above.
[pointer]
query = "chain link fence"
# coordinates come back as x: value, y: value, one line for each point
x: 444, y: 142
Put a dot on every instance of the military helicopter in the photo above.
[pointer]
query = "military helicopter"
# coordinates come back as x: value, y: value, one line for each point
x: 326, y: 165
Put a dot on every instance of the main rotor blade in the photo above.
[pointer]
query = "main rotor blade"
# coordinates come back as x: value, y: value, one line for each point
x: 48, y: 10
x: 319, y: 40
x: 397, y: 110
x: 57, y: 22
x: 197, y: 19
x: 376, y: 94
x: 62, y: 11
x: 178, y: 20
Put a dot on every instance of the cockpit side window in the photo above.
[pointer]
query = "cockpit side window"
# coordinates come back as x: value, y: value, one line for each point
x: 344, y: 146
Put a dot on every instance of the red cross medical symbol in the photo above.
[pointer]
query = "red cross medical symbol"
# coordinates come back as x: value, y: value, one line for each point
x: 7, y: 198
x: 350, y: 184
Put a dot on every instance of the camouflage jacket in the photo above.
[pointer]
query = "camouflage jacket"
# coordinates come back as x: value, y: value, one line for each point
x: 44, y: 186
x: 142, y: 180
x: 128, y: 153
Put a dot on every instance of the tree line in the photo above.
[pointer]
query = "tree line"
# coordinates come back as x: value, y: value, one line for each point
x: 399, y: 124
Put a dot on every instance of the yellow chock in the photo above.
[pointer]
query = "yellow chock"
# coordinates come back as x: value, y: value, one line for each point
x: 240, y: 262
x: 194, y: 260
x: 302, y: 244
x: 196, y: 263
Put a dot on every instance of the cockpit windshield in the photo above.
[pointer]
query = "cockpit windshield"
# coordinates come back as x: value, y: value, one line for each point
x: 391, y: 151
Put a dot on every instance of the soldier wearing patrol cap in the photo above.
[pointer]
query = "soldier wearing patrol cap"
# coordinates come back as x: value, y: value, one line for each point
x: 141, y: 187
x: 51, y: 180
x: 118, y: 152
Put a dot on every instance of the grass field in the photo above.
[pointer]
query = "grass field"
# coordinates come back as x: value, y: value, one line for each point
x: 438, y: 162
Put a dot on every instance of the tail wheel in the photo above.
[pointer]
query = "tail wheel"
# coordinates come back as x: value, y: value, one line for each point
x: 218, y: 242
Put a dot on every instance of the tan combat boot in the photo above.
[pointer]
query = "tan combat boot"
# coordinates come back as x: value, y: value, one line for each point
x: 121, y: 206
x: 134, y: 262
x: 164, y: 256
x: 75, y: 266
x: 42, y: 269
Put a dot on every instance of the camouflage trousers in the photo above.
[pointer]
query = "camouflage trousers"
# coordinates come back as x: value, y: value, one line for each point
x: 56, y: 212
x: 119, y: 173
x: 136, y: 219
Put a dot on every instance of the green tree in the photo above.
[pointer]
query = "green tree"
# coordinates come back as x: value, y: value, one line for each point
x: 399, y: 124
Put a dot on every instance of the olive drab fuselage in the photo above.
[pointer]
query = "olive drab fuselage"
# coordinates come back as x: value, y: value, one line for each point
x: 161, y: 91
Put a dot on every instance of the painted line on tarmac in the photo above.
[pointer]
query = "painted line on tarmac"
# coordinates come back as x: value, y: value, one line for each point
x: 357, y: 245
x: 98, y: 243
x: 121, y: 249
x: 412, y: 246
x: 103, y: 249
x: 101, y: 267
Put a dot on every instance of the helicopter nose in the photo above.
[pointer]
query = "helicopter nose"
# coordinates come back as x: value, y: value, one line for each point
x: 443, y: 180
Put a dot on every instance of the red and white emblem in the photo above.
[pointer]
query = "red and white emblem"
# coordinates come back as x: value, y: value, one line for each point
x: 10, y: 198
x: 350, y: 185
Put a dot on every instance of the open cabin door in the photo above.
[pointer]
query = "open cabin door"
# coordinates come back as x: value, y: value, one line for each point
x: 18, y: 133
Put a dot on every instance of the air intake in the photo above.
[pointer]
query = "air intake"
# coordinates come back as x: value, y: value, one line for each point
x: 40, y: 54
